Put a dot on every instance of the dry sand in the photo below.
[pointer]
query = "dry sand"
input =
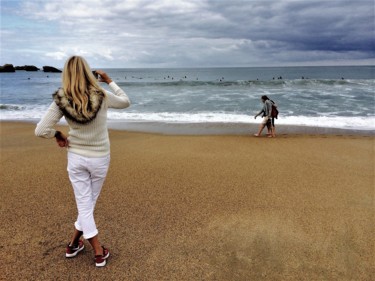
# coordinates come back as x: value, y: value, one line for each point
x: 194, y: 208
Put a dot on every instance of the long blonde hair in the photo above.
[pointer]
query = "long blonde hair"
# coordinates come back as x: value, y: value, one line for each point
x: 78, y: 82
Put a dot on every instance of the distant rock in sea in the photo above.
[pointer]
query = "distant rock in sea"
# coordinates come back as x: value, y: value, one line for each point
x: 27, y: 68
x: 7, y: 68
x: 50, y: 69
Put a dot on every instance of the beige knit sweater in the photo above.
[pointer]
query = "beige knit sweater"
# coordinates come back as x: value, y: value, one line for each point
x: 91, y: 139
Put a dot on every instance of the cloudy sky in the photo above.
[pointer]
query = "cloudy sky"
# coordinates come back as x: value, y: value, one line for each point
x: 179, y: 33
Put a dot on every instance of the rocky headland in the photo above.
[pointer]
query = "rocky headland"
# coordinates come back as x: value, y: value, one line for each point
x: 27, y: 68
x: 10, y: 68
x: 7, y: 68
x: 50, y: 69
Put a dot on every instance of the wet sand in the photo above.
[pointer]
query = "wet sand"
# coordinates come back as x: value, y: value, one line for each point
x: 298, y: 207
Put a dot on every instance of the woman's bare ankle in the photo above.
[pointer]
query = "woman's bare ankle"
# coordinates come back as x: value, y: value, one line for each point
x: 98, y: 249
x: 99, y: 253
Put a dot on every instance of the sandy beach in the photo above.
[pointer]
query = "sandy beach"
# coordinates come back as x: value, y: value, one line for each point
x: 298, y: 207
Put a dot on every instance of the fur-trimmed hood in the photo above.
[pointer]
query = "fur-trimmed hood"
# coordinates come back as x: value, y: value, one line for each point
x: 66, y: 106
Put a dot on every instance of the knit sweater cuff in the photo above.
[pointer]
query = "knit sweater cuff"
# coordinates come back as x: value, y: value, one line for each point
x: 114, y: 86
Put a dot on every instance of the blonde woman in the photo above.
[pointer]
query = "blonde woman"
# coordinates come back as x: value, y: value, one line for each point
x: 84, y: 105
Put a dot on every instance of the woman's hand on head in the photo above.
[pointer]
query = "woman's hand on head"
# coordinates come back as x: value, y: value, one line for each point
x: 104, y: 77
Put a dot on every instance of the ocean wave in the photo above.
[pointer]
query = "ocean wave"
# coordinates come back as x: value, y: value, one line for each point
x: 11, y: 107
x: 326, y: 121
x: 294, y: 82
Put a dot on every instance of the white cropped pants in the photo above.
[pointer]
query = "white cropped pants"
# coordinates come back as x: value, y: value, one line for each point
x: 87, y: 176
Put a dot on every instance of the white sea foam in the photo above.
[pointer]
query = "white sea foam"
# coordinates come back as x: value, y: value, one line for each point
x: 356, y: 123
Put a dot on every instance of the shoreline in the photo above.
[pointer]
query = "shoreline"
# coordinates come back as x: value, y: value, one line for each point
x: 213, y: 128
x: 228, y: 128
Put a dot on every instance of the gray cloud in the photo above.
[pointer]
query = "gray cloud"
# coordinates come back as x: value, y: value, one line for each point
x: 191, y: 33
